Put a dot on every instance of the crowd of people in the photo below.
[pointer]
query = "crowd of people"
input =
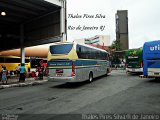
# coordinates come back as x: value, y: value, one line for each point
x: 39, y: 73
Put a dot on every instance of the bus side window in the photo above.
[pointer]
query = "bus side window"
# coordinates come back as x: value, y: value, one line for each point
x: 79, y: 49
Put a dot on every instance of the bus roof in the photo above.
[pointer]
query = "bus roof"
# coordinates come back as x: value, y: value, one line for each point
x: 133, y: 52
x: 152, y: 46
x: 152, y: 42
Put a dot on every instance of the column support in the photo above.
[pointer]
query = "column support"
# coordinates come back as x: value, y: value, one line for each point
x: 22, y: 52
x: 63, y: 21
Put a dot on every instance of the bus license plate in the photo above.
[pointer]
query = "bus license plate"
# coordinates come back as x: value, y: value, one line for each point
x: 58, y: 75
x: 59, y: 71
x: 133, y: 70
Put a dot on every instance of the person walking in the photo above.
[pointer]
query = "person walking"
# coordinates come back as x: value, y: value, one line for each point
x: 4, y: 75
x: 22, y: 70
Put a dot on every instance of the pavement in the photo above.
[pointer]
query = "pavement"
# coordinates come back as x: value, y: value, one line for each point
x: 108, y: 97
x: 13, y: 82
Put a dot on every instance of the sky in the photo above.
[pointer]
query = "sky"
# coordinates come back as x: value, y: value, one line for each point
x: 143, y: 19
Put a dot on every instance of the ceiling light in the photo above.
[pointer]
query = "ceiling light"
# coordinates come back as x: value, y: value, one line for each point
x: 3, y: 13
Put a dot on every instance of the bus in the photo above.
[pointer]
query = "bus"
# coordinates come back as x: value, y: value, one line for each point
x: 11, y: 63
x: 151, y: 59
x: 37, y: 62
x: 73, y: 62
x: 134, y: 60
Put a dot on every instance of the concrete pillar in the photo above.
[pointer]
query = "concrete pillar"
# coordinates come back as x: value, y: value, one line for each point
x: 22, y: 55
x: 63, y: 20
x: 22, y: 43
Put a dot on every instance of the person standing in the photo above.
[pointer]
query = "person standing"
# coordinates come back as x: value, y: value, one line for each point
x: 17, y: 70
x: 4, y: 75
x: 40, y: 73
x: 22, y: 70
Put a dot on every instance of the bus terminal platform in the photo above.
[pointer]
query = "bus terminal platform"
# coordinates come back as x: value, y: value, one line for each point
x: 14, y: 82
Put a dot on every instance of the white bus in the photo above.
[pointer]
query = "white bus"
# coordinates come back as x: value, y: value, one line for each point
x: 71, y: 62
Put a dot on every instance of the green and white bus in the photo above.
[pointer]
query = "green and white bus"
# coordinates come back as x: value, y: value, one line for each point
x: 71, y: 62
x: 134, y: 60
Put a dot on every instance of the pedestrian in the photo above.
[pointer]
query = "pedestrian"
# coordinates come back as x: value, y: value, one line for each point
x: 45, y: 71
x: 17, y: 70
x: 40, y: 73
x: 0, y: 76
x: 22, y: 70
x: 37, y: 73
x: 4, y: 75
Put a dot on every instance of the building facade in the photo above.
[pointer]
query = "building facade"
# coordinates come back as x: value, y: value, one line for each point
x: 99, y: 41
x: 103, y: 40
x: 122, y: 29
x: 79, y: 41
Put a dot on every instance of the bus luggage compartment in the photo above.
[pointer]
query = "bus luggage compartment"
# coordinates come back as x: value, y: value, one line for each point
x: 153, y: 68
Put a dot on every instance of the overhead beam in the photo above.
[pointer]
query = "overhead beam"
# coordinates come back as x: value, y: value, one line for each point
x: 56, y: 2
x: 26, y: 4
x: 6, y: 23
x: 43, y: 3
x: 17, y: 15
x: 43, y: 41
x: 10, y: 19
x: 15, y: 8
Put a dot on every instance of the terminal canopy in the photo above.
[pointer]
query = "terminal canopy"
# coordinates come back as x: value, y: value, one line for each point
x: 28, y: 22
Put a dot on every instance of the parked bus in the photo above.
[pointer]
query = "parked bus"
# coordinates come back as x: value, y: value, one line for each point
x: 134, y: 60
x: 151, y: 59
x: 37, y: 62
x: 11, y: 63
x: 71, y: 62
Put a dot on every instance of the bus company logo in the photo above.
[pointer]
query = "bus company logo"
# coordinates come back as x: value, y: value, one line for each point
x: 153, y: 48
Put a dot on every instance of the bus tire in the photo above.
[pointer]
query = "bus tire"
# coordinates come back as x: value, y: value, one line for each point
x: 107, y: 71
x: 157, y: 78
x: 90, y: 77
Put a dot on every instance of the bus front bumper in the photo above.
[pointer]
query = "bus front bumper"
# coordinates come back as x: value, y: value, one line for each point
x: 62, y: 79
x: 154, y: 72
x: 134, y: 69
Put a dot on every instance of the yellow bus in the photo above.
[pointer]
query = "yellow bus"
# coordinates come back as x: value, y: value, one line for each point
x: 11, y: 63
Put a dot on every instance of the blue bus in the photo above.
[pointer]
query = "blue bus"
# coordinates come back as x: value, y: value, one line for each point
x: 72, y: 62
x: 151, y: 59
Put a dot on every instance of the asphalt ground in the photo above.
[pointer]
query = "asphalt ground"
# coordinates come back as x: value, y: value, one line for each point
x: 116, y: 94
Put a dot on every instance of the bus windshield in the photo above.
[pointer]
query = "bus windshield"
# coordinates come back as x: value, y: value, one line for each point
x: 61, y: 49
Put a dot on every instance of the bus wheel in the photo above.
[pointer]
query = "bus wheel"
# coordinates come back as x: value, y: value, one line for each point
x: 90, y: 77
x: 107, y: 72
x: 157, y: 78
